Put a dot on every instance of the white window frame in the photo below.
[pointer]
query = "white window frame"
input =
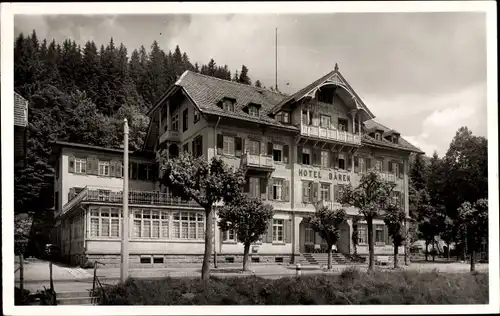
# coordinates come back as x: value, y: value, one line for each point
x: 309, y: 235
x: 186, y: 217
x: 175, y: 122
x: 379, y: 165
x: 154, y: 218
x: 253, y: 147
x: 325, y: 159
x: 278, y: 230
x: 325, y: 121
x: 362, y: 234
x: 80, y: 165
x: 378, y: 228
x: 325, y: 189
x: 309, y: 186
x: 286, y: 117
x: 254, y: 187
x: 278, y: 147
x: 253, y: 110
x: 229, y: 235
x: 104, y: 166
x: 277, y: 189
x: 228, y: 105
x: 362, y: 164
x: 377, y: 136
x: 96, y: 216
x: 228, y: 145
x: 395, y: 169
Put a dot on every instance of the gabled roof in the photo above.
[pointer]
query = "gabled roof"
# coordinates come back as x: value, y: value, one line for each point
x: 20, y: 110
x: 206, y: 92
x: 333, y: 76
x: 402, y: 143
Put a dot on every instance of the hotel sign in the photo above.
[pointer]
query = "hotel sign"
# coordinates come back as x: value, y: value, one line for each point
x: 337, y: 176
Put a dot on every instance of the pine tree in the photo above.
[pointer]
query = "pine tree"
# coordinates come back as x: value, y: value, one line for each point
x: 258, y: 84
x: 243, y: 78
x: 236, y: 77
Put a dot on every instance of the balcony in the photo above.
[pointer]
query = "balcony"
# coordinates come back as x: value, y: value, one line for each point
x: 102, y: 195
x: 170, y: 135
x: 330, y: 134
x: 257, y: 162
x: 390, y: 177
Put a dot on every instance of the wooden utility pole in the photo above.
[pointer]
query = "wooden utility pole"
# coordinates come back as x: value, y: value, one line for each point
x: 125, y: 222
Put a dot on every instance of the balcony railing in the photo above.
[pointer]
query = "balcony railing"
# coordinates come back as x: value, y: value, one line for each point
x: 261, y: 161
x: 171, y: 135
x: 391, y: 177
x: 330, y: 134
x: 134, y: 197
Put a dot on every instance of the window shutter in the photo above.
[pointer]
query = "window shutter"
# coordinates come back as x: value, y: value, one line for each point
x: 270, y: 148
x: 246, y: 145
x: 93, y: 165
x: 71, y: 165
x: 299, y: 154
x: 349, y: 162
x: 368, y: 162
x: 356, y: 164
x: 220, y: 144
x: 243, y: 144
x: 263, y: 188
x: 390, y: 166
x: 335, y: 160
x: 386, y: 232
x: 335, y: 192
x: 401, y: 171
x: 269, y: 236
x: 286, y: 191
x: 237, y: 146
x: 288, y: 231
x: 193, y: 148
x: 112, y: 168
x: 316, y: 191
x: 263, y: 149
x: 270, y: 190
x: 305, y: 186
x: 119, y: 171
x: 286, y: 154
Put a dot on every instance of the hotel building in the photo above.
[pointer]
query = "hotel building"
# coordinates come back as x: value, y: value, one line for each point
x: 298, y: 151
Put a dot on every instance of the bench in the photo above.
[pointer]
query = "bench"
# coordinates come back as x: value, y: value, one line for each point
x: 382, y: 260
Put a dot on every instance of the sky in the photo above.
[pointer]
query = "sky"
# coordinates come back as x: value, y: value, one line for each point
x: 422, y: 74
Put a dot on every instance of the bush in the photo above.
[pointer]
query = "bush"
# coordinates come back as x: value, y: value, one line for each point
x: 20, y: 298
x: 349, y: 287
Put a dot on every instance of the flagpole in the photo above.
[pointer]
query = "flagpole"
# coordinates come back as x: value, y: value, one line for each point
x: 125, y: 221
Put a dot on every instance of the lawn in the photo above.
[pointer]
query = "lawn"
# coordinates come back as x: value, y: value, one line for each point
x: 349, y: 287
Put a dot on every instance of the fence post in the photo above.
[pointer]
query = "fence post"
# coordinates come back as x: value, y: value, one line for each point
x: 21, y: 273
x: 50, y: 275
x: 298, y: 270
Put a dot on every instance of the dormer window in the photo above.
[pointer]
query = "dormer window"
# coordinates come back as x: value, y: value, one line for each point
x: 378, y: 136
x: 283, y: 117
x: 394, y: 139
x: 228, y: 105
x: 253, y: 110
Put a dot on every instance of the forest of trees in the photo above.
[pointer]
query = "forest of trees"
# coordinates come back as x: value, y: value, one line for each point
x: 82, y: 94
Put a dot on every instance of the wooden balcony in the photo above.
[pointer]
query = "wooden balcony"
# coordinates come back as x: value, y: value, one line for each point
x: 170, y: 135
x: 330, y: 134
x: 105, y: 195
x: 259, y: 162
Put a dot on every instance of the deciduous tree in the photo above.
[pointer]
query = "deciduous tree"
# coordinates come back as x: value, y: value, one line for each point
x: 207, y: 183
x: 326, y: 222
x: 248, y: 218
x: 394, y: 219
x: 371, y: 197
x: 474, y: 225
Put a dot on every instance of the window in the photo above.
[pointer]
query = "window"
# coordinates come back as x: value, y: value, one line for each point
x: 395, y: 139
x: 325, y: 191
x: 196, y: 116
x: 229, y: 235
x: 362, y: 234
x: 342, y: 164
x: 104, y: 168
x: 151, y: 224
x: 277, y: 152
x: 362, y: 165
x: 175, y: 122
x: 379, y: 234
x: 254, y: 186
x: 198, y: 146
x: 337, y: 188
x: 309, y: 235
x: 185, y: 148
x: 306, y: 156
x: 158, y: 260
x: 228, y: 105
x: 188, y: 225
x: 145, y: 260
x: 286, y: 118
x: 253, y: 147
x: 277, y: 189
x: 325, y: 121
x: 377, y: 136
x: 379, y: 165
x: 342, y: 124
x: 278, y: 230
x: 228, y: 148
x: 80, y: 165
x: 105, y: 222
x: 185, y: 120
x: 306, y: 118
x: 253, y: 110
x: 325, y: 158
x: 307, y: 191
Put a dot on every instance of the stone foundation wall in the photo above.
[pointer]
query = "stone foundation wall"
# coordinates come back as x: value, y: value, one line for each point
x: 174, y: 260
